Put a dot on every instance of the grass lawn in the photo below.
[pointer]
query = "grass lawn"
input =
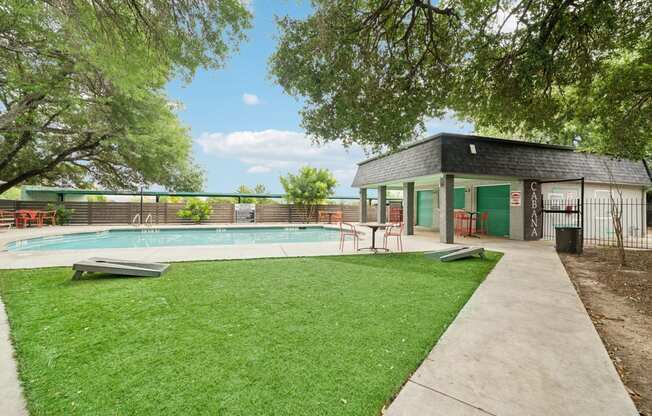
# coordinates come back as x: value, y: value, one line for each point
x: 311, y: 336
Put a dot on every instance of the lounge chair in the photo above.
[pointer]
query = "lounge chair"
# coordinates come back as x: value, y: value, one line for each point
x: 121, y: 267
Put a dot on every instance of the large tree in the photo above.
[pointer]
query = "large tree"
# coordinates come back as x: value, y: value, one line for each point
x: 81, y: 88
x: 570, y: 71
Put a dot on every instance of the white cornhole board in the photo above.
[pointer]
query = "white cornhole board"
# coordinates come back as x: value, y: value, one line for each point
x: 121, y: 267
x: 437, y: 254
x: 464, y: 253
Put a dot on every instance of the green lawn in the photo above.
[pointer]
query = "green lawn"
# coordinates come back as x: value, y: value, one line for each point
x: 301, y: 336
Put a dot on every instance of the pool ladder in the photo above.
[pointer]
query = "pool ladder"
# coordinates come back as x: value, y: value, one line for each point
x: 147, y: 223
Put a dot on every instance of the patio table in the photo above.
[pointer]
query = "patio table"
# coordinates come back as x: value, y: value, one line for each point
x: 374, y: 227
x: 472, y: 214
x: 27, y: 216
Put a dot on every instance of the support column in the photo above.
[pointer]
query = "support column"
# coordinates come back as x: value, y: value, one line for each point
x: 408, y: 207
x: 363, y: 204
x: 382, y: 204
x: 446, y: 203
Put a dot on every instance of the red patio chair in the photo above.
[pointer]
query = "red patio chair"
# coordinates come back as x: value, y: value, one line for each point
x: 48, y: 216
x: 461, y: 223
x: 348, y: 230
x: 394, y: 230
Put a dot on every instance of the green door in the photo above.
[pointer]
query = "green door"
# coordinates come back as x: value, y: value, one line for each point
x: 458, y: 201
x: 495, y: 201
x: 424, y: 208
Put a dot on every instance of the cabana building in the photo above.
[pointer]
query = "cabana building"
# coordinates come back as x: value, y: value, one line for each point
x: 510, y: 180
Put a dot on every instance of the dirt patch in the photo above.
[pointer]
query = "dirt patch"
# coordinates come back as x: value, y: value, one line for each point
x: 619, y: 301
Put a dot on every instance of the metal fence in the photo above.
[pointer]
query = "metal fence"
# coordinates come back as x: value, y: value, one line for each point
x: 598, y: 224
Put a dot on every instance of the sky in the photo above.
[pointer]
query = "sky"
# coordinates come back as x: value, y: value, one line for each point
x: 246, y: 130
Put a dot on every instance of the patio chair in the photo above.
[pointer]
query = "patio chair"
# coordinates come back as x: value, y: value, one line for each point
x: 48, y: 216
x: 6, y: 219
x: 483, y: 223
x: 394, y: 230
x: 348, y: 230
x: 337, y: 216
x: 461, y: 223
x: 321, y: 216
x: 23, y: 219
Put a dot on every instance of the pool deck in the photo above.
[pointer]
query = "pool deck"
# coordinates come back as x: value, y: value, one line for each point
x: 51, y: 258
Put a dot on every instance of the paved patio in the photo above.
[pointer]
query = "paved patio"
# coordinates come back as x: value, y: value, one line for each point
x: 522, y: 345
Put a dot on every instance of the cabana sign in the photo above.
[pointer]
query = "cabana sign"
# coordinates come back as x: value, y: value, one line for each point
x: 533, y: 211
x: 245, y: 213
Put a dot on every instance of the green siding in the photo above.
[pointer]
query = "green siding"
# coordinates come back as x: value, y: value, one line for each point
x: 459, y: 198
x: 424, y: 208
x: 495, y: 201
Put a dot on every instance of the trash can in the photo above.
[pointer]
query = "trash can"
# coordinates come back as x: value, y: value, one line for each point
x: 568, y: 239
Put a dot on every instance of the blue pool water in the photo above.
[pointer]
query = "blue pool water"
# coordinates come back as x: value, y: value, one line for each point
x: 176, y: 237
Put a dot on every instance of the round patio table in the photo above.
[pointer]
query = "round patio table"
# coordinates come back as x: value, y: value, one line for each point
x: 374, y: 227
x: 471, y: 215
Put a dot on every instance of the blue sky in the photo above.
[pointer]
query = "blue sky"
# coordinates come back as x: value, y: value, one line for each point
x: 246, y: 130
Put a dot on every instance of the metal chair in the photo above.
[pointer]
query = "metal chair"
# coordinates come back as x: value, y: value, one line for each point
x: 461, y: 223
x: 484, y: 220
x: 394, y: 230
x: 346, y: 230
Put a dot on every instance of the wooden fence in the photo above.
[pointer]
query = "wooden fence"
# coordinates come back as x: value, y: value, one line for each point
x: 98, y: 213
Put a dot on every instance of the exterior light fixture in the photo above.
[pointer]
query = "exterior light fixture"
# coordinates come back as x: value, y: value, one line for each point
x: 473, y: 150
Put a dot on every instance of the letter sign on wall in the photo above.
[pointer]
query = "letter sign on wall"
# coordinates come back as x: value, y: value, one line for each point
x: 533, y: 212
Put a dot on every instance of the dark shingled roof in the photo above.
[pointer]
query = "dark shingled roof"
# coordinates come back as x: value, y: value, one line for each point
x: 451, y: 153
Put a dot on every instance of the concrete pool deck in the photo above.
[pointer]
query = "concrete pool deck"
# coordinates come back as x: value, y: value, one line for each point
x: 522, y: 345
x: 33, y: 259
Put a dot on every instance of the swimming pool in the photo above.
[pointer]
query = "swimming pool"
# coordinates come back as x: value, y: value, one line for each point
x: 157, y: 237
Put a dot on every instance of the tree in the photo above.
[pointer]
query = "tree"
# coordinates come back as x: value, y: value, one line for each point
x: 81, y: 88
x: 309, y: 188
x: 259, y: 189
x: 372, y: 72
x: 196, y: 210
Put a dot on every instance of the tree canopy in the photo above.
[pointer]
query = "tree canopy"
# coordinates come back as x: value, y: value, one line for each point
x: 81, y: 88
x: 565, y: 71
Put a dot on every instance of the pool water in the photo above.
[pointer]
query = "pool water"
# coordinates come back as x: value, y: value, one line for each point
x: 156, y: 237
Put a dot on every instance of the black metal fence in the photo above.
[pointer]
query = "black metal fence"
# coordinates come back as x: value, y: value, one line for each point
x: 598, y: 224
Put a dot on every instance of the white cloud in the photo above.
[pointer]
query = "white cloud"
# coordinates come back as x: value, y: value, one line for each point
x: 250, y: 99
x: 282, y: 151
x: 259, y: 169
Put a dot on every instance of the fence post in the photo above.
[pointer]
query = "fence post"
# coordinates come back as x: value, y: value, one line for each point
x: 289, y: 213
x: 89, y: 213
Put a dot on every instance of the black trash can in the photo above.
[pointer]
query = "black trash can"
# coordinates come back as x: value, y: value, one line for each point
x: 568, y: 239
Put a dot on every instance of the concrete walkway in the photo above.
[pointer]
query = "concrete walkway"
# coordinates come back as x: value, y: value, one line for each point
x: 522, y: 345
x: 11, y: 399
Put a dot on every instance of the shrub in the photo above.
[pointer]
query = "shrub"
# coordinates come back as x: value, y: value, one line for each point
x: 63, y: 214
x: 196, y: 210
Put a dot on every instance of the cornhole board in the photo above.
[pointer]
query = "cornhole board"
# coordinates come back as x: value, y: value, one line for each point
x: 465, y: 253
x: 438, y: 254
x: 120, y: 267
